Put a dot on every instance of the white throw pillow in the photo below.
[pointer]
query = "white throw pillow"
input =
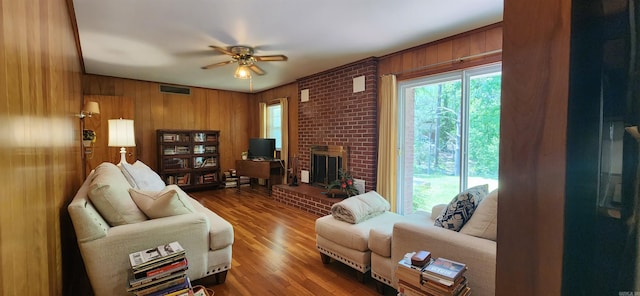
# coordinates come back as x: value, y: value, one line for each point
x: 143, y: 176
x: 170, y: 201
x: 460, y: 209
x: 109, y: 193
x: 484, y: 222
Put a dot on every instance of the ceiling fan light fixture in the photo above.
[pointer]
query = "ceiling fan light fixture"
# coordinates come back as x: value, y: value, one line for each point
x: 242, y: 72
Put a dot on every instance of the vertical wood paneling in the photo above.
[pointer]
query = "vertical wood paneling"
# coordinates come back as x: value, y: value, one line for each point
x: 40, y: 155
x: 152, y: 110
x: 415, y: 62
x: 111, y: 107
x: 535, y: 88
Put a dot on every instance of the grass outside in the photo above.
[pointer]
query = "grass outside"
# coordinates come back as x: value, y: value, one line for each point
x: 430, y: 190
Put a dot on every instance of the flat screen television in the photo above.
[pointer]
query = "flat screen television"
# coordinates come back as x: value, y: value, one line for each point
x: 264, y: 148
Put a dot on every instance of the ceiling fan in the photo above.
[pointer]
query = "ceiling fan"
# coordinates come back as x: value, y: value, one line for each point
x: 243, y: 55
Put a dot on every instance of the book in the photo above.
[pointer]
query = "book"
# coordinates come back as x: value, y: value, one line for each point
x: 147, y: 257
x: 166, y: 268
x: 138, y: 284
x: 445, y: 269
x: 158, y: 286
x: 408, y: 289
x: 438, y: 289
x: 407, y: 272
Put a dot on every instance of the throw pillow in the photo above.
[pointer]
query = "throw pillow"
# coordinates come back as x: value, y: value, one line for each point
x: 108, y: 192
x: 484, y: 221
x: 143, y: 176
x: 460, y: 209
x: 170, y: 201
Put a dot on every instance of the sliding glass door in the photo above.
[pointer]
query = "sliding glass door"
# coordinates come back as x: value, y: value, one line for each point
x: 449, y: 135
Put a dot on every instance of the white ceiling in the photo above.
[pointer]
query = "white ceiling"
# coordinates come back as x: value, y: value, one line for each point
x: 167, y: 40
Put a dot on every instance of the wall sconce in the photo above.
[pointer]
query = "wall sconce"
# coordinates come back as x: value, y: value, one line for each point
x: 89, y: 109
x: 121, y: 134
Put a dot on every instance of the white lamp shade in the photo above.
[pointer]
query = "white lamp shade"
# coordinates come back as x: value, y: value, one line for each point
x: 121, y: 133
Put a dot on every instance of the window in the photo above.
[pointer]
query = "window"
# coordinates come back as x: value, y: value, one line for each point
x: 274, y: 124
x: 449, y: 134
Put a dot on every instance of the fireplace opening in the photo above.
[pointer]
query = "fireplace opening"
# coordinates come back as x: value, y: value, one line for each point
x: 326, y: 161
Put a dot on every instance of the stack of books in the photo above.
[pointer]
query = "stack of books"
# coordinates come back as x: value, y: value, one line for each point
x: 409, y: 277
x: 439, y: 277
x: 159, y: 271
x: 445, y: 277
x: 231, y: 179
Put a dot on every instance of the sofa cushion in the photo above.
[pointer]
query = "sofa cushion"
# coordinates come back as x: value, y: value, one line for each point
x: 484, y: 221
x: 352, y: 236
x: 380, y: 235
x: 460, y: 209
x: 109, y: 193
x: 142, y: 176
x: 170, y: 201
x: 220, y: 230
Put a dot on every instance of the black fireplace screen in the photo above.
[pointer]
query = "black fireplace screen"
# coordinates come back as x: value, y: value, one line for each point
x: 326, y: 161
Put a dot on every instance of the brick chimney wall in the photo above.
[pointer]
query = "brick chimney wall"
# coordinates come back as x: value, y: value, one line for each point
x: 335, y: 115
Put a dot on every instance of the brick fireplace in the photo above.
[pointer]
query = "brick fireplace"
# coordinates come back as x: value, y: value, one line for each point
x: 336, y: 116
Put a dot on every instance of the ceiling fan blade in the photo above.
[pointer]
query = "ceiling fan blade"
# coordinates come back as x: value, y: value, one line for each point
x: 271, y: 58
x: 222, y: 50
x: 218, y: 64
x: 256, y: 69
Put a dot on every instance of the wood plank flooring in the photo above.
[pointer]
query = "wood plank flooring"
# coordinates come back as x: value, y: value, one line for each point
x: 274, y: 250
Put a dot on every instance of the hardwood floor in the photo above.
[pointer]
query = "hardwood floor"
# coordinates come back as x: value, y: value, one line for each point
x: 274, y: 250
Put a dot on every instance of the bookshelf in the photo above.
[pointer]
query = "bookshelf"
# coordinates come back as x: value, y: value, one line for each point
x: 189, y: 158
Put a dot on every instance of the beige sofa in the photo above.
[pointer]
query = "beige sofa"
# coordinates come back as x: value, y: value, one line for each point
x: 105, y: 246
x: 419, y: 233
x: 474, y: 245
x: 391, y: 236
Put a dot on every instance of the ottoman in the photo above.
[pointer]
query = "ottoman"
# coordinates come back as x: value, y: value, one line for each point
x: 349, y: 243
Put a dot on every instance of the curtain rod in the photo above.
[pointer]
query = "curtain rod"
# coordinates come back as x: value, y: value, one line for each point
x: 458, y: 60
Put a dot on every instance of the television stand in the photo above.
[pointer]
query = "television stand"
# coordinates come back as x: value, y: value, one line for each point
x: 270, y: 170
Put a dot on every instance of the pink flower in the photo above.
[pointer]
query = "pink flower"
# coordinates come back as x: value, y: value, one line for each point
x: 344, y: 185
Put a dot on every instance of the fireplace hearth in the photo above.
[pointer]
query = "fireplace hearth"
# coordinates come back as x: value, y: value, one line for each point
x: 326, y: 161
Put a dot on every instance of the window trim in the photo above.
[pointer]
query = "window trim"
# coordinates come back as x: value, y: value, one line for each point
x: 464, y: 76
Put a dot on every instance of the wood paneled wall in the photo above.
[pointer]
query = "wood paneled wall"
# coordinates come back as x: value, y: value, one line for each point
x: 535, y: 92
x: 435, y: 57
x: 40, y: 158
x: 111, y: 107
x: 234, y: 114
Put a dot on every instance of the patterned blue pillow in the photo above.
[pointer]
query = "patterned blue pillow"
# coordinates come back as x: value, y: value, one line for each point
x: 460, y: 209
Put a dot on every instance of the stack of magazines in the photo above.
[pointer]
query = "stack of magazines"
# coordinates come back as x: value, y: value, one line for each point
x: 159, y: 271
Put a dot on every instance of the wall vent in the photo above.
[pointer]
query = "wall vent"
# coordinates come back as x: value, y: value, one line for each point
x: 169, y: 89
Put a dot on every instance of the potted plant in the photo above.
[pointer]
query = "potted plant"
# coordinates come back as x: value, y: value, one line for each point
x: 88, y: 137
x: 344, y: 185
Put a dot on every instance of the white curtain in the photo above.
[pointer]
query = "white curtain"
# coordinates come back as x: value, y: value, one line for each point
x: 263, y: 119
x: 284, y: 151
x: 388, y: 140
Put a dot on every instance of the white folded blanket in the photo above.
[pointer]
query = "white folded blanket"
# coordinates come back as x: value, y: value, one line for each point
x: 359, y: 208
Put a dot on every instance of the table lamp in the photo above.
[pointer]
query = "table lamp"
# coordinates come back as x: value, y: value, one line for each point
x: 121, y: 134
